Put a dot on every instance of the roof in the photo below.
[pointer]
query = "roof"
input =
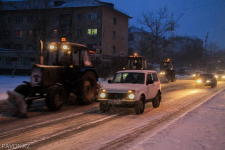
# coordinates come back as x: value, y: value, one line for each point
x: 24, y: 5
x: 138, y: 71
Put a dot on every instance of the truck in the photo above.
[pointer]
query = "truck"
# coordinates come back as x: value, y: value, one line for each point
x: 167, y: 73
x: 68, y: 69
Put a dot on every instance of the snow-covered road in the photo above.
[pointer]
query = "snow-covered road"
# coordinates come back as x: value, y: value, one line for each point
x: 187, y: 118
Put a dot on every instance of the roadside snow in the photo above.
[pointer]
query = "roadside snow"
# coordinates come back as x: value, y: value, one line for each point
x: 200, y: 129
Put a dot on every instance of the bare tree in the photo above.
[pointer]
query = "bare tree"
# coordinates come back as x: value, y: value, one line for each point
x: 159, y: 23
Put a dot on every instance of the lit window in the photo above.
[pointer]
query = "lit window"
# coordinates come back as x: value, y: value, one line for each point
x: 92, y: 32
x: 18, y: 33
x: 92, y: 16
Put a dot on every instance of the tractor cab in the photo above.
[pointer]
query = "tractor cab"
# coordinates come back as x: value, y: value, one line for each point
x: 68, y: 54
x: 166, y: 65
x: 136, y: 62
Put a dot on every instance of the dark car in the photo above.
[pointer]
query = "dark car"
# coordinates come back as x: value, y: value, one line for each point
x: 206, y: 79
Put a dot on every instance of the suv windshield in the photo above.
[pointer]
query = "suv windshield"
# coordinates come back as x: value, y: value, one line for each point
x: 127, y: 77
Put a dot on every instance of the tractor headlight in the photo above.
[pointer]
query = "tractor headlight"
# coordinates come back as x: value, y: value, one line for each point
x: 208, y: 81
x: 102, y: 95
x: 65, y: 47
x: 199, y: 81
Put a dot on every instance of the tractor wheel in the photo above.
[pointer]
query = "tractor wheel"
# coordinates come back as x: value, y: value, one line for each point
x: 24, y: 90
x: 87, y: 89
x: 55, y: 97
x: 140, y: 105
x: 156, y: 101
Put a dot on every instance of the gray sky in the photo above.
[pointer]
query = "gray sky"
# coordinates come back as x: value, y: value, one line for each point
x: 200, y: 16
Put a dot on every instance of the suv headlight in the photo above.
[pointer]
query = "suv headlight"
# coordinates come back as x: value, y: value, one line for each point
x: 131, y: 94
x: 102, y: 93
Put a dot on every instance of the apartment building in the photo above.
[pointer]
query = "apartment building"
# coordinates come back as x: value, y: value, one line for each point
x: 94, y: 23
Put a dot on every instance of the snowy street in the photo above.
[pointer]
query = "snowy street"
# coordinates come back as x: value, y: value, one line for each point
x: 187, y: 118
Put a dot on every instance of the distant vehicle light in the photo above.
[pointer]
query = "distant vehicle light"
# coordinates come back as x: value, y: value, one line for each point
x: 216, y: 76
x: 199, y: 81
x: 223, y: 77
x: 208, y: 81
x: 193, y: 75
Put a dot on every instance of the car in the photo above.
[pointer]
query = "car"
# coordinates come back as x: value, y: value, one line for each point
x: 131, y: 88
x: 206, y: 79
x: 220, y: 75
x: 196, y: 74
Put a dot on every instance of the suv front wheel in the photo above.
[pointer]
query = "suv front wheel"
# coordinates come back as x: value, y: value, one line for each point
x: 140, y: 105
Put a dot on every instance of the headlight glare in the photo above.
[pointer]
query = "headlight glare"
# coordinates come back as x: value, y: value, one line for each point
x: 131, y: 96
x: 208, y: 81
x: 102, y: 95
x: 223, y: 77
x: 199, y: 81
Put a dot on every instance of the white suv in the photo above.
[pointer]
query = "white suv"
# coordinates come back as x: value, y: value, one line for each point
x: 131, y: 88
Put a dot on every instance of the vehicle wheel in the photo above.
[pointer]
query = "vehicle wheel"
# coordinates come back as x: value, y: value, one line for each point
x: 87, y: 89
x: 104, y: 106
x: 156, y: 101
x: 55, y: 97
x: 24, y: 90
x: 140, y: 105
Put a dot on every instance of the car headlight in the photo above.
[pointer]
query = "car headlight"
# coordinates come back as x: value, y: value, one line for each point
x: 162, y: 73
x: 131, y: 96
x: 208, y: 81
x: 216, y: 76
x: 193, y: 75
x: 199, y: 81
x: 102, y: 95
x: 223, y: 77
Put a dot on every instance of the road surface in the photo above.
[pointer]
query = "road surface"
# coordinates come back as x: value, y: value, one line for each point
x: 86, y: 127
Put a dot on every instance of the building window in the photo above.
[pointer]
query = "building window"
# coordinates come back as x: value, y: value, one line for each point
x: 8, y: 61
x: 18, y: 33
x: 18, y: 46
x: 65, y: 17
x: 92, y: 32
x: 78, y: 32
x: 6, y: 33
x: 79, y: 17
x: 114, y: 21
x: 114, y: 34
x: 64, y: 30
x: 54, y: 18
x: 29, y: 32
x: 114, y: 50
x: 25, y: 61
x: 19, y: 19
x: 92, y: 16
x: 30, y: 19
x: 7, y: 19
x: 28, y: 47
x: 6, y: 46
